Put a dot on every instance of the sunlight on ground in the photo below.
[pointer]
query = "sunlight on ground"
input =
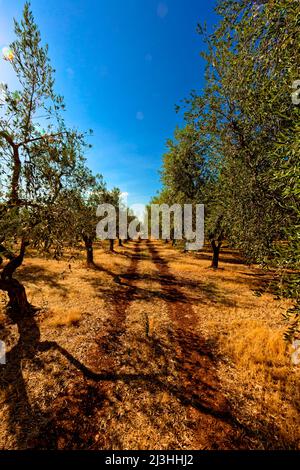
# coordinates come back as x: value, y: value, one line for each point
x: 119, y: 318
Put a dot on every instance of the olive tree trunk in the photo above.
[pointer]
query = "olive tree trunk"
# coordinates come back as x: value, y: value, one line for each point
x: 216, y: 246
x: 18, y: 304
x: 88, y: 243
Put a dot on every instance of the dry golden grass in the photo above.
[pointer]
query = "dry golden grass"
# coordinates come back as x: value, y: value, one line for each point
x: 255, y: 369
x: 77, y: 304
x: 252, y: 344
x: 60, y: 316
x: 263, y: 377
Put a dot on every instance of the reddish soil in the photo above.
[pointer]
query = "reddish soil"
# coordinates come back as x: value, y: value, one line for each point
x: 199, y: 385
x: 77, y: 411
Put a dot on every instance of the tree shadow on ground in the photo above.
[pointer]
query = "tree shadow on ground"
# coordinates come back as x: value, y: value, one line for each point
x: 186, y: 373
x: 204, y: 292
x: 101, y: 269
x: 23, y: 416
x: 38, y: 274
x: 70, y: 422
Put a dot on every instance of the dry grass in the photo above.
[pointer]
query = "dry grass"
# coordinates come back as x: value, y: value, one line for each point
x: 252, y: 345
x: 60, y: 316
x: 255, y: 362
x: 79, y: 304
x: 263, y: 380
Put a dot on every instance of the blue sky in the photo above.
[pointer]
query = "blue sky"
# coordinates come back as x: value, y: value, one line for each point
x: 122, y: 65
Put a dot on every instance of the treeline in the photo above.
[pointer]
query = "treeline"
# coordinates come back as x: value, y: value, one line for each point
x: 48, y: 196
x: 239, y: 150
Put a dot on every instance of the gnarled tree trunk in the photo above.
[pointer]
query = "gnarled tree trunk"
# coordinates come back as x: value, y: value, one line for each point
x: 111, y: 244
x: 18, y: 303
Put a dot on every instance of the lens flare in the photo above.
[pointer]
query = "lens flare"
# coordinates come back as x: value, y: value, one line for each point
x: 7, y: 53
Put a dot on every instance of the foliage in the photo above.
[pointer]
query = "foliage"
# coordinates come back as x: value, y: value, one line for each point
x: 247, y: 128
x: 37, y: 165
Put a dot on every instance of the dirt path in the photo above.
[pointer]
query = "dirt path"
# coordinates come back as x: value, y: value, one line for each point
x: 139, y: 388
x: 164, y: 354
x: 108, y: 341
x: 196, y: 366
x: 73, y: 424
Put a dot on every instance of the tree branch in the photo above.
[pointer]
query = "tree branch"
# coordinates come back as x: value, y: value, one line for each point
x: 34, y: 139
x: 14, y: 263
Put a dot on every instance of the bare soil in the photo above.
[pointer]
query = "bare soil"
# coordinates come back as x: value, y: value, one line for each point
x: 156, y: 356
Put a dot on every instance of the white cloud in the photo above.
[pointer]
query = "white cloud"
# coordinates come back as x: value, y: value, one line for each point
x: 140, y: 116
x: 162, y: 10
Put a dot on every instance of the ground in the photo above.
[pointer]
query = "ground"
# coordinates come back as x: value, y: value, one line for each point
x: 150, y: 349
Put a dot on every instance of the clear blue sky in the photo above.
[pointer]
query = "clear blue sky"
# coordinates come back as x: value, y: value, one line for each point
x: 122, y: 65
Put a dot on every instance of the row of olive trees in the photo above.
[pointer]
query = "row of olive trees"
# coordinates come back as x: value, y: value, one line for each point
x: 76, y: 215
x: 239, y: 150
x: 48, y: 197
